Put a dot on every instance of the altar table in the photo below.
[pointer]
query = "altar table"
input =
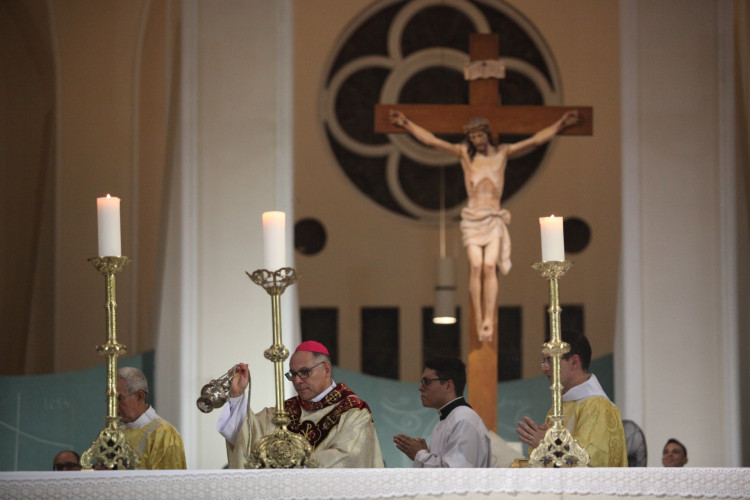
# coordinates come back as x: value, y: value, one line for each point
x: 442, y: 484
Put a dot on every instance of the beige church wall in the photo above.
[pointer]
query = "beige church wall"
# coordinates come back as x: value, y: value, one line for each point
x: 581, y: 178
x: 682, y: 380
x: 26, y: 189
x: 90, y: 110
x: 742, y: 94
x: 233, y: 166
x: 94, y: 159
x: 113, y: 68
x: 743, y: 277
x: 693, y: 198
x: 376, y: 258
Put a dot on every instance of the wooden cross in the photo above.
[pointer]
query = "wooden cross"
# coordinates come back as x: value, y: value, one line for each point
x: 450, y: 119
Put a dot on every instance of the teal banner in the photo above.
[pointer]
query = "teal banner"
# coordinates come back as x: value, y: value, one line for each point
x: 41, y: 415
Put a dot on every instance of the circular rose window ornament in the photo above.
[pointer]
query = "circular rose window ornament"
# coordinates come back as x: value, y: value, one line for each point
x: 414, y: 52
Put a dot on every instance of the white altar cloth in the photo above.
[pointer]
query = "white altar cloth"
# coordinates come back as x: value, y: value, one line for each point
x: 690, y: 482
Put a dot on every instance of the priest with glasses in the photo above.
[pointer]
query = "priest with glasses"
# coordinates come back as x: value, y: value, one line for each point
x: 337, y: 424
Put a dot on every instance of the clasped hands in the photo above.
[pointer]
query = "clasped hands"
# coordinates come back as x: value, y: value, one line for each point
x: 530, y: 432
x: 409, y: 446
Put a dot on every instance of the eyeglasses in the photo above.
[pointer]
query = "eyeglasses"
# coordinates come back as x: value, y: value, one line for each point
x: 123, y: 397
x: 68, y: 466
x: 547, y: 362
x: 303, y: 373
x: 427, y: 381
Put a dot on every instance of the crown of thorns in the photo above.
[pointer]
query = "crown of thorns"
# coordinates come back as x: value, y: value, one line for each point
x: 477, y: 124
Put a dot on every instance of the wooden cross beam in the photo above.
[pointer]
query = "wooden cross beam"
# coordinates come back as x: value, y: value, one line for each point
x: 483, y: 102
x: 450, y: 119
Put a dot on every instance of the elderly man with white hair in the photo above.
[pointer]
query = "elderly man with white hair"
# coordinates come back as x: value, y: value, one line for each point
x: 153, y: 438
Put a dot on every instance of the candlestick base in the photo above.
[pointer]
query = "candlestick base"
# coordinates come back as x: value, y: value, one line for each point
x: 282, y: 449
x: 110, y: 450
x: 558, y: 449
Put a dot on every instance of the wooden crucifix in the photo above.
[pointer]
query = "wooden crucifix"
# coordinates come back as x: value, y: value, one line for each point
x: 451, y: 119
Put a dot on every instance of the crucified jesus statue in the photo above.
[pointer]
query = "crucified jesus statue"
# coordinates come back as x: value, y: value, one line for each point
x: 483, y: 222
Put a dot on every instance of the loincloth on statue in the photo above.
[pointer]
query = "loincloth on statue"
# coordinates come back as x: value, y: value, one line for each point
x: 480, y: 226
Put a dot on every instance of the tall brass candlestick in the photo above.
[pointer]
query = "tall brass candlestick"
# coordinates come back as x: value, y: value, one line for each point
x: 558, y: 448
x: 110, y: 450
x: 282, y: 449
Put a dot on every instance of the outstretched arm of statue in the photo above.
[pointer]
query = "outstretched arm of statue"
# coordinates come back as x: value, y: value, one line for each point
x: 545, y: 135
x: 422, y: 135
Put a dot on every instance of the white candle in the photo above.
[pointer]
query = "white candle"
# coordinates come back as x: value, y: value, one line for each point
x: 553, y: 242
x: 274, y: 240
x: 108, y: 217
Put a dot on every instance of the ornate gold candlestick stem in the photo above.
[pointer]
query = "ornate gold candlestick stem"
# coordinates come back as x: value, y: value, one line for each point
x: 282, y: 449
x: 110, y: 450
x: 558, y: 448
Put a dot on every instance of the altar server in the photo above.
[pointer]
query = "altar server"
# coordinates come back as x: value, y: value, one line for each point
x: 460, y: 438
x: 153, y: 438
x: 337, y: 424
x: 592, y: 419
